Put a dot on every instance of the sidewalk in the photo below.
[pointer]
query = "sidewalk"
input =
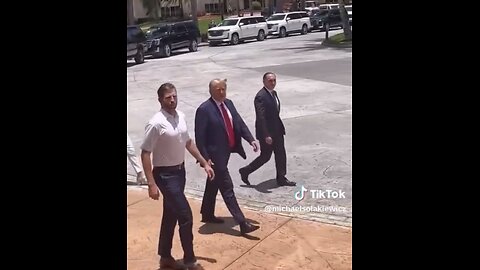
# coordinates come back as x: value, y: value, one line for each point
x: 280, y: 243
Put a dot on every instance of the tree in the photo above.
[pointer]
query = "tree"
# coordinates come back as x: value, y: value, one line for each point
x: 130, y: 17
x: 221, y: 6
x: 152, y: 7
x: 238, y: 8
x: 347, y: 31
x: 193, y: 4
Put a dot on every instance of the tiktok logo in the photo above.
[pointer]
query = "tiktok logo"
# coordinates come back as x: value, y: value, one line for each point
x: 300, y: 194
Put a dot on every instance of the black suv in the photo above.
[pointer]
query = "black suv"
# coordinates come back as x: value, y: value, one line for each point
x: 136, y: 44
x: 326, y: 18
x: 163, y: 38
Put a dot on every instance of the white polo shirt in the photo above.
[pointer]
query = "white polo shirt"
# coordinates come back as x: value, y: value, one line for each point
x: 165, y: 137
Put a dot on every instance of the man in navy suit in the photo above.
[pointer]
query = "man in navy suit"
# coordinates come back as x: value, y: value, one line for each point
x: 269, y: 131
x: 218, y: 133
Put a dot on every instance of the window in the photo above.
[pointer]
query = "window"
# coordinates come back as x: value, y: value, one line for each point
x: 134, y: 34
x: 212, y: 8
x: 261, y: 19
x: 294, y: 16
x: 179, y: 28
x: 228, y: 23
x: 154, y: 32
x: 245, y: 21
x: 276, y: 17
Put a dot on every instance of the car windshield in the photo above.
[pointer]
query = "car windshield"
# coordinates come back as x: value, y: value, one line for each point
x: 228, y: 23
x: 276, y: 17
x: 321, y: 13
x: 157, y: 31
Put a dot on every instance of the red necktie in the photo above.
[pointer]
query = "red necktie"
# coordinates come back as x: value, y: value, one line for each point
x: 228, y: 124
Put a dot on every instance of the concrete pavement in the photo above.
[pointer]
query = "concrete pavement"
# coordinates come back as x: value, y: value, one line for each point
x: 314, y: 86
x: 280, y: 243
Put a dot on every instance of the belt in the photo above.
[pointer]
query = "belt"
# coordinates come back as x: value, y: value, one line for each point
x: 174, y: 168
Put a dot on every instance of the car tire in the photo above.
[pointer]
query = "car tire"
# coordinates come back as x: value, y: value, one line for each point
x: 304, y: 29
x: 193, y: 47
x: 261, y: 35
x: 166, y: 50
x: 283, y: 32
x: 139, y: 57
x: 234, y: 40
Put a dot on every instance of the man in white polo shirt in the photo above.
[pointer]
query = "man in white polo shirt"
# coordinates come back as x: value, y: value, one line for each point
x: 166, y: 137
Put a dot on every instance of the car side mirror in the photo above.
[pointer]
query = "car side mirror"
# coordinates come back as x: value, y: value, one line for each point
x: 240, y: 24
x: 288, y: 19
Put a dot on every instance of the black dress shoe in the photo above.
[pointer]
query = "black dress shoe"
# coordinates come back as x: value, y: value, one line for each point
x: 212, y: 219
x: 285, y: 182
x: 246, y: 227
x: 244, y: 176
x: 170, y: 263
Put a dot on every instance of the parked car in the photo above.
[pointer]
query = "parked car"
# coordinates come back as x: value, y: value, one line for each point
x: 234, y: 30
x: 349, y: 12
x: 164, y: 38
x: 290, y: 22
x: 326, y: 18
x: 328, y: 6
x: 136, y: 44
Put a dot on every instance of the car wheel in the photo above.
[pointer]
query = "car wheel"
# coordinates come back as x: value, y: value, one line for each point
x: 139, y: 57
x: 261, y: 35
x: 193, y: 46
x: 234, y: 40
x: 167, y: 50
x: 304, y: 29
x: 283, y: 32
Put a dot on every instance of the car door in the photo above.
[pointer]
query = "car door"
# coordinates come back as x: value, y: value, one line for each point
x: 297, y: 21
x: 179, y: 36
x: 336, y: 18
x: 131, y: 44
x: 243, y: 24
x: 290, y: 23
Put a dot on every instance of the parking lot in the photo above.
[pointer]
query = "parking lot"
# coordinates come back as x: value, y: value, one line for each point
x: 314, y: 84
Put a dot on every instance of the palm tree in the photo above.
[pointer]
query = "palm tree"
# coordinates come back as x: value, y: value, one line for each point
x: 347, y: 31
x: 152, y: 7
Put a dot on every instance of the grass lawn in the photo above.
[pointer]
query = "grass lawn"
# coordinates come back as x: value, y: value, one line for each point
x: 338, y: 38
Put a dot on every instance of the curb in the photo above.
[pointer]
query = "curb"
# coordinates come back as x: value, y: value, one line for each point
x: 328, y: 43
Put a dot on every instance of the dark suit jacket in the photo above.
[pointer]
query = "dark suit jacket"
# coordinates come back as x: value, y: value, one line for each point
x: 268, y: 122
x: 211, y: 134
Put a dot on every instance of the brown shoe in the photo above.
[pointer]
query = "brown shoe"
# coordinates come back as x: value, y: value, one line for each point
x: 170, y: 263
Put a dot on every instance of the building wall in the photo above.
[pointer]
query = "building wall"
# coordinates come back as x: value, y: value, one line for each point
x: 140, y: 12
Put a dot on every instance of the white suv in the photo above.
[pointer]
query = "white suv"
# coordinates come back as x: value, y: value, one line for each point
x: 283, y: 23
x: 233, y: 30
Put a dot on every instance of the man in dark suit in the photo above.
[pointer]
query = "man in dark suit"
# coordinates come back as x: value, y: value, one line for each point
x: 218, y: 133
x: 269, y: 130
